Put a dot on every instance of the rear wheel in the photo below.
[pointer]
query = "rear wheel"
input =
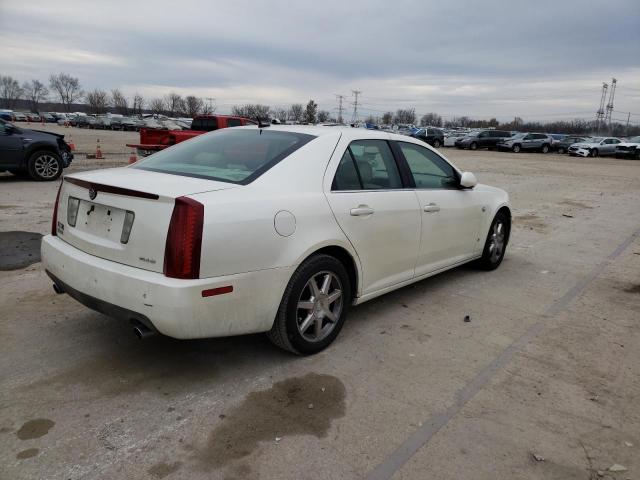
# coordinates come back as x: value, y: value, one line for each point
x: 545, y: 148
x: 313, y: 307
x: 45, y: 166
x: 473, y: 146
x: 561, y: 150
x: 496, y: 242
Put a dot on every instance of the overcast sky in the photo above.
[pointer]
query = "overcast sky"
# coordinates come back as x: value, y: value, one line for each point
x: 536, y: 59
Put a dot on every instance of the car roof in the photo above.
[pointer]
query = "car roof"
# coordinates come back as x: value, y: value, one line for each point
x: 346, y: 131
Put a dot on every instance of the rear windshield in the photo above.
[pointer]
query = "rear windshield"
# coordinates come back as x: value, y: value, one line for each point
x: 227, y: 155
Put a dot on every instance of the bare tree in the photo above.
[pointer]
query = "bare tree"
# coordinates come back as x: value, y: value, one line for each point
x: 296, y: 112
x: 406, y: 116
x: 98, y: 101
x: 193, y: 105
x: 387, y: 118
x: 10, y: 91
x: 431, y: 119
x: 323, y: 116
x: 157, y: 106
x: 35, y: 92
x: 67, y: 88
x: 120, y: 102
x: 251, y: 111
x: 208, y: 107
x: 174, y: 104
x: 138, y: 104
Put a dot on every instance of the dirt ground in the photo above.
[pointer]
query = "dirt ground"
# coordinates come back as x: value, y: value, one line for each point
x: 542, y: 383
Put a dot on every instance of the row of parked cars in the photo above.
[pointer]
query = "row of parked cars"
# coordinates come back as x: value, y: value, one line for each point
x: 580, y: 146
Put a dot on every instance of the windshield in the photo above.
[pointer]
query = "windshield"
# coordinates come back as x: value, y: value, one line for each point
x: 594, y: 140
x: 517, y: 135
x: 634, y: 140
x: 227, y: 155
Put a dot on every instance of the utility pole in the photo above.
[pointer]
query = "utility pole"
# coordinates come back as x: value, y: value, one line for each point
x: 210, y: 99
x: 600, y: 112
x: 628, y: 118
x: 340, y: 107
x: 356, y: 93
x: 612, y: 93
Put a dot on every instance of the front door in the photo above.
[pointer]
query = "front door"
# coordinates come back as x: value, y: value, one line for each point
x: 10, y: 147
x: 378, y: 215
x: 450, y: 216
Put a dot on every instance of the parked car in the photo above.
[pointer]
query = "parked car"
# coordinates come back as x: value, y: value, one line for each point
x: 343, y: 215
x: 629, y: 149
x: 564, y: 144
x: 482, y: 139
x: 451, y: 138
x: 537, y: 142
x: 8, y: 116
x: 48, y: 117
x: 19, y: 117
x: 33, y: 117
x: 430, y: 135
x: 40, y: 155
x: 595, y: 147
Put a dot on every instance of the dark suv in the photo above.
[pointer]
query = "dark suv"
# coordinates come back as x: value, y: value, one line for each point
x: 40, y: 155
x: 430, y: 135
x: 483, y: 139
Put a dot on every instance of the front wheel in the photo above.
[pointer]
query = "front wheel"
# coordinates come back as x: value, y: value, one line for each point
x: 436, y: 143
x: 496, y: 242
x: 545, y: 148
x: 561, y: 150
x: 516, y: 148
x: 313, y: 307
x: 594, y: 152
x: 473, y: 146
x: 45, y: 166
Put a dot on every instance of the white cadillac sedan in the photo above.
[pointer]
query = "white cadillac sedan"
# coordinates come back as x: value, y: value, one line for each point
x: 277, y: 229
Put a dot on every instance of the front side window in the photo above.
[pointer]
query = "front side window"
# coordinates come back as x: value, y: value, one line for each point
x: 234, y: 122
x: 227, y: 155
x: 429, y: 170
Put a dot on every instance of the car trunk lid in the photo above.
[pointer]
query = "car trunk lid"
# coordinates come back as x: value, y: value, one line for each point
x: 123, y: 214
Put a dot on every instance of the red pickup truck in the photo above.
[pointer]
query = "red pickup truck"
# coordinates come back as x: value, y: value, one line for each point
x: 153, y: 140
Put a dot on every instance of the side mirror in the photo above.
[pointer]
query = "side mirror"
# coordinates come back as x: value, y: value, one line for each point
x: 468, y: 180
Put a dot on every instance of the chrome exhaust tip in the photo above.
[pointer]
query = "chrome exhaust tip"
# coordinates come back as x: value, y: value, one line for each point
x: 141, y: 331
x: 58, y: 289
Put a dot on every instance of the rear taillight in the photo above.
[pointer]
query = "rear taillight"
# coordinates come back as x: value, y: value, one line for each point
x: 184, y: 239
x: 54, y: 220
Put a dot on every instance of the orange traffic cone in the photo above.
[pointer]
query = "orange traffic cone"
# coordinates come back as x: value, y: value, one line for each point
x: 132, y: 157
x: 72, y: 146
x: 98, y: 151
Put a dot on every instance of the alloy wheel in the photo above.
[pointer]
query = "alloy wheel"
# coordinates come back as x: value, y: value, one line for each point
x: 46, y: 166
x: 319, y: 306
x: 496, y: 243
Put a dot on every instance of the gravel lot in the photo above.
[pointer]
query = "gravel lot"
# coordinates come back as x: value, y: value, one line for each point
x: 542, y: 383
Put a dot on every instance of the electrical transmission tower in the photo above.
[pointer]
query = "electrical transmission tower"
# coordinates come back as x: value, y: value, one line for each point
x: 354, y: 118
x: 600, y: 112
x: 612, y: 92
x: 340, y: 107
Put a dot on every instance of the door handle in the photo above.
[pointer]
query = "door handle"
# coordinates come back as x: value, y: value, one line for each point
x: 432, y: 207
x: 361, y: 211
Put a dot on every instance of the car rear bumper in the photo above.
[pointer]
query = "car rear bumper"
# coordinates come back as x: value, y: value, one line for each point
x: 173, y: 307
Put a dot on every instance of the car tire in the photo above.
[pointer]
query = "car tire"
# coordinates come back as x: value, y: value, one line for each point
x: 516, y: 148
x: 594, y: 152
x: 545, y: 148
x: 473, y: 146
x: 496, y: 242
x: 561, y: 150
x: 436, y: 143
x: 289, y: 331
x: 44, y: 165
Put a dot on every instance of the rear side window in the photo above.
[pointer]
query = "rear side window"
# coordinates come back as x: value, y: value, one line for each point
x: 429, y: 170
x: 204, y: 124
x: 227, y: 155
x: 234, y: 122
x: 347, y: 177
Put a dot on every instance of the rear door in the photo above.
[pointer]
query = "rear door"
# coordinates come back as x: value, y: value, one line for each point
x: 378, y: 215
x: 451, y: 216
x: 609, y: 146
